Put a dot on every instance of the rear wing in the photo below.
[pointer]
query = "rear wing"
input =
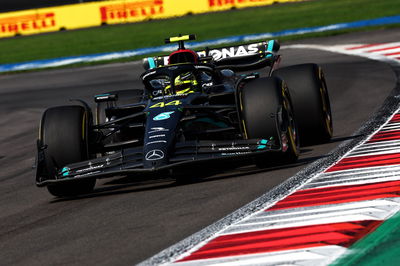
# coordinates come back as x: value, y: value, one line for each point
x: 239, y: 56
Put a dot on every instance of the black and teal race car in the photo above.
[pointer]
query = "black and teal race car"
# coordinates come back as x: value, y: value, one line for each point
x: 195, y: 109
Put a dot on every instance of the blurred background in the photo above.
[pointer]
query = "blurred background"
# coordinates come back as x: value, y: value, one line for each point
x: 74, y: 28
x: 13, y: 5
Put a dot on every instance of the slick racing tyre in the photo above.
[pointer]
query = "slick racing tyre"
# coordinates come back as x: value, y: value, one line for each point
x: 267, y: 113
x: 311, y: 103
x: 63, y: 134
x: 123, y: 97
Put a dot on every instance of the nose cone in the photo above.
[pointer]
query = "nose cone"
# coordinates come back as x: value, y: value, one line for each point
x: 159, y: 138
x: 155, y: 158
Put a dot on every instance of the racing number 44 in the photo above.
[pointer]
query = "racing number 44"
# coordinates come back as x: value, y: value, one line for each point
x: 162, y: 104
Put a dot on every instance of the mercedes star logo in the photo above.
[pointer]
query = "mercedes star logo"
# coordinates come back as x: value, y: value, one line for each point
x: 154, y: 155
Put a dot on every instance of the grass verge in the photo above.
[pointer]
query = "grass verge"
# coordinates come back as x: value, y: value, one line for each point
x: 207, y: 26
x: 380, y: 247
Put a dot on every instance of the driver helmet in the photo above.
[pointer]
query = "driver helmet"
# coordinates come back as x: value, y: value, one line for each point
x: 185, y: 83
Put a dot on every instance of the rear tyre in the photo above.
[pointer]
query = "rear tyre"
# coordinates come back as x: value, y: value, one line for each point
x: 267, y: 113
x: 311, y: 103
x: 63, y: 133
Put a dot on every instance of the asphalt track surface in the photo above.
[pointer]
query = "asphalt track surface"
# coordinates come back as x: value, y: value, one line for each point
x: 125, y: 221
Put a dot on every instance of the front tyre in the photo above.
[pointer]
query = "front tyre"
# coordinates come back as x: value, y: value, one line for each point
x: 267, y: 113
x: 64, y: 139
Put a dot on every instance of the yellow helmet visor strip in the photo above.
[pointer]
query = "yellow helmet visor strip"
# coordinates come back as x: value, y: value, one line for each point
x: 179, y: 82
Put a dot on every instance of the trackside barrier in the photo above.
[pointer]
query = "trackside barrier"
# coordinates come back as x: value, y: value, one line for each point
x: 111, y: 12
x: 56, y: 62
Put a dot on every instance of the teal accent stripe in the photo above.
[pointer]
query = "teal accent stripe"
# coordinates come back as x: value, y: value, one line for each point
x: 263, y: 141
x: 270, y: 46
x: 65, y: 171
x: 152, y: 63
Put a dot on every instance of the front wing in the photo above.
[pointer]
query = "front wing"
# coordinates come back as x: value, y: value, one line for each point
x: 130, y: 160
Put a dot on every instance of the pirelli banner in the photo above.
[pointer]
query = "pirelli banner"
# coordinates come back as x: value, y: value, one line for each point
x: 111, y: 12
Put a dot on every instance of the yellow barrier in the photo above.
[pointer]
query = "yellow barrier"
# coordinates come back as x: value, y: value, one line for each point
x: 111, y: 12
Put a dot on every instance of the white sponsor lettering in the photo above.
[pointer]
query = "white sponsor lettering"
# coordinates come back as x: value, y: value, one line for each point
x: 148, y: 74
x: 157, y: 136
x: 202, y: 53
x: 241, y: 51
x: 209, y: 84
x: 102, y: 97
x: 166, y: 60
x: 158, y: 129
x: 86, y: 174
x: 170, y: 96
x: 230, y: 52
x: 156, y: 141
x: 253, y: 48
x: 89, y: 168
x: 233, y: 148
x: 234, y: 153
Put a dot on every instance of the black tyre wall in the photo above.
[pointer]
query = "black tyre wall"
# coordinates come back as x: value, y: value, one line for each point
x: 260, y: 102
x: 310, y: 99
x: 63, y: 133
x: 267, y: 112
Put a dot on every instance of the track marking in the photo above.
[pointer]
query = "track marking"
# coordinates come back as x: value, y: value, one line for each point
x: 316, y: 223
x: 379, y: 51
x: 319, y: 214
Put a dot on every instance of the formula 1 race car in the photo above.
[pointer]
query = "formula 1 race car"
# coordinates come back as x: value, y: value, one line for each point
x: 195, y: 108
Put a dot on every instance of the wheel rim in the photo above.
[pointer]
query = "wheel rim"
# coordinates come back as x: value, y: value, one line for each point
x: 291, y: 129
x: 325, y: 104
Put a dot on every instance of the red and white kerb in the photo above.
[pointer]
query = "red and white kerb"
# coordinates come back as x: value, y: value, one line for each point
x: 316, y: 224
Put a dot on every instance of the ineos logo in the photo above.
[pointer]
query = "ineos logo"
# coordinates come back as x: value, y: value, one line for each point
x: 154, y: 155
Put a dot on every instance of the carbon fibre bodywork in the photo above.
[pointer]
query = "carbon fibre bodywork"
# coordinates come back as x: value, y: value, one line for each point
x: 169, y: 131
